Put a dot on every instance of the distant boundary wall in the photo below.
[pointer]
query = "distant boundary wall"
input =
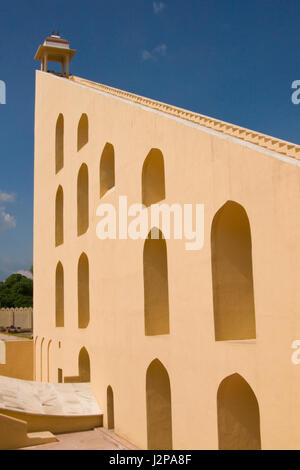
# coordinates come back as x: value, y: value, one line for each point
x: 22, y: 317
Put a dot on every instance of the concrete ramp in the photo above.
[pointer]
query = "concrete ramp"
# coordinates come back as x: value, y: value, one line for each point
x: 51, y: 407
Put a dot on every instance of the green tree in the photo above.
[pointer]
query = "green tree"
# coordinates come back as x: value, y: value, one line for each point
x: 16, y: 291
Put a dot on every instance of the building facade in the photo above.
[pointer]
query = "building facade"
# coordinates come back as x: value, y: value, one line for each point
x: 184, y: 349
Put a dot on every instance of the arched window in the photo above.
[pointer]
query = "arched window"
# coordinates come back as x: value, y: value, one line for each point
x: 82, y: 132
x: 59, y: 295
x: 82, y: 200
x: 156, y: 291
x: 232, y: 278
x: 83, y: 292
x: 159, y: 410
x: 59, y: 217
x: 153, y: 178
x: 59, y: 143
x: 107, y: 169
x: 238, y: 415
x: 110, y: 408
x: 84, y: 366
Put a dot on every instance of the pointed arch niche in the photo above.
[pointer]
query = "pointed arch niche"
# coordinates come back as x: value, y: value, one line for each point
x: 59, y: 217
x: 83, y: 291
x: 59, y: 295
x: 232, y: 277
x: 82, y: 132
x: 156, y: 290
x: 59, y: 143
x: 82, y: 200
x: 238, y: 415
x: 159, y: 409
x: 153, y: 178
x: 107, y: 169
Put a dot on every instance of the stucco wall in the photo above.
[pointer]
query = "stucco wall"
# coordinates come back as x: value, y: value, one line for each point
x: 22, y: 317
x: 18, y: 359
x: 200, y: 167
x: 13, y: 434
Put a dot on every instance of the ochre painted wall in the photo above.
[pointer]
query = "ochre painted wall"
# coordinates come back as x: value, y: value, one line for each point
x: 200, y: 166
x: 13, y: 434
x: 55, y: 424
x: 19, y: 362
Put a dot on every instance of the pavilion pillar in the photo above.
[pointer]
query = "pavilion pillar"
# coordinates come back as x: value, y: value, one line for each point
x: 46, y: 63
x: 67, y: 66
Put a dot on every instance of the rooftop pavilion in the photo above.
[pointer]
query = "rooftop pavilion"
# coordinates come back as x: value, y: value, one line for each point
x: 55, y: 49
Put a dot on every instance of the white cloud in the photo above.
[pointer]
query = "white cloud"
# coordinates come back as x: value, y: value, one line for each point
x: 25, y: 273
x: 160, y: 50
x: 146, y: 55
x: 6, y: 197
x: 158, y: 7
x: 6, y: 220
x: 12, y: 262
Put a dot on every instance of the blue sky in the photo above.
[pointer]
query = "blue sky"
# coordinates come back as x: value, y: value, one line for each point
x: 230, y: 59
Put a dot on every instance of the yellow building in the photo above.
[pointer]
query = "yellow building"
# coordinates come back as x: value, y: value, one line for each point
x: 184, y: 349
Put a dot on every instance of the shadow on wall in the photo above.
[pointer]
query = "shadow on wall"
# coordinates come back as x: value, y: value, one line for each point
x: 107, y: 169
x: 59, y: 297
x: 82, y: 200
x: 84, y: 371
x: 110, y: 408
x: 82, y: 132
x: 153, y: 178
x: 156, y: 291
x: 232, y: 278
x: 59, y: 143
x: 83, y: 292
x: 238, y: 415
x: 59, y: 217
x: 159, y: 410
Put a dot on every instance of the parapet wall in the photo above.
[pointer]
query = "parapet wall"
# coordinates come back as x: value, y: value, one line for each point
x: 21, y: 317
x: 16, y: 359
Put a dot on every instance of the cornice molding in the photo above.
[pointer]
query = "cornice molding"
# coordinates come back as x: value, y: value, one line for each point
x: 271, y: 143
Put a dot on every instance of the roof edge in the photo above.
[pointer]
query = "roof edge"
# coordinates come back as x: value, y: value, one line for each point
x: 262, y: 140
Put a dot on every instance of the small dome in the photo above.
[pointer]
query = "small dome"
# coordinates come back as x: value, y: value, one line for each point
x: 56, y: 41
